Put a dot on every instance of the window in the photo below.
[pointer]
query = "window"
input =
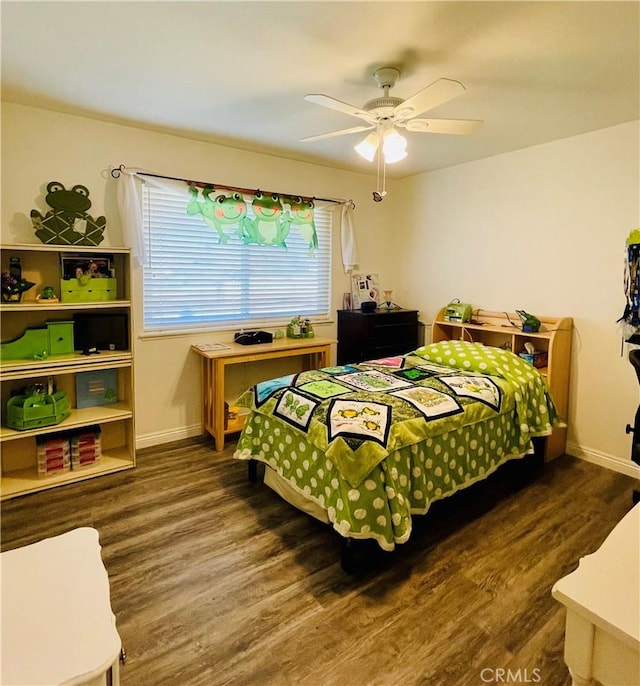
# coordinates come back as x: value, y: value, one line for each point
x: 193, y: 281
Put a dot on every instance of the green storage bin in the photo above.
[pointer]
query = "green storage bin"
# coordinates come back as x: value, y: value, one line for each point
x: 94, y: 290
x: 60, y: 338
x: 55, y: 338
x: 33, y: 411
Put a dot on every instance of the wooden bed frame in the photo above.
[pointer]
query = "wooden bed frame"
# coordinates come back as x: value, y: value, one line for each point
x: 358, y: 556
x: 499, y: 329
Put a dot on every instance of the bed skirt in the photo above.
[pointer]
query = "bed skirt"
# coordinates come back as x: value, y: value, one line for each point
x: 284, y: 489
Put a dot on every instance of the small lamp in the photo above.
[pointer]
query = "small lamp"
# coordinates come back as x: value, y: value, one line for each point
x: 388, y: 294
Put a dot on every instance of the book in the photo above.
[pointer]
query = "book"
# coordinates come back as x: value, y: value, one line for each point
x: 206, y: 347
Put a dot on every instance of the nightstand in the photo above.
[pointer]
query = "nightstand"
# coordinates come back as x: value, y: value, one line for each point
x: 370, y: 335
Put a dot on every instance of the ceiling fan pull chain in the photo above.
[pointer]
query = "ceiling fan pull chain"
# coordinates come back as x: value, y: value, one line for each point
x: 379, y: 193
x: 384, y: 177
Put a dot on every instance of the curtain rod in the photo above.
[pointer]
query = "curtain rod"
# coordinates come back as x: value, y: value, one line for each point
x: 116, y: 171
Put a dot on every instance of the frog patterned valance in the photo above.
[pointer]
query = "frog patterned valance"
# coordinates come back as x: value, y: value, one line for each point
x: 235, y: 214
x: 260, y: 218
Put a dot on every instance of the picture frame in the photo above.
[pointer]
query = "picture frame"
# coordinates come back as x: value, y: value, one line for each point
x: 347, y: 302
x: 364, y: 288
x: 82, y: 266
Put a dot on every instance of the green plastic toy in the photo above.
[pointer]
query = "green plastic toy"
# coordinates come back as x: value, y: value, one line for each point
x: 530, y: 323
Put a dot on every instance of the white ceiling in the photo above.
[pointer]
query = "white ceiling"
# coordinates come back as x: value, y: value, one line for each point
x: 236, y: 72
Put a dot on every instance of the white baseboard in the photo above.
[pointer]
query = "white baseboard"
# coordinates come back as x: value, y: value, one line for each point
x: 616, y: 464
x: 159, y: 437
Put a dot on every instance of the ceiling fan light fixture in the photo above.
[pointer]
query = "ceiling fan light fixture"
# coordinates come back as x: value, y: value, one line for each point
x: 395, y: 156
x: 394, y: 146
x: 386, y: 112
x: 368, y: 146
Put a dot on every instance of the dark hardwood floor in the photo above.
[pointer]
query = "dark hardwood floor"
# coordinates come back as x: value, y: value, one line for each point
x: 216, y: 581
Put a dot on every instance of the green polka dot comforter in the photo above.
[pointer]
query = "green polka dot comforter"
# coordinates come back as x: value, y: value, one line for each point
x: 374, y: 443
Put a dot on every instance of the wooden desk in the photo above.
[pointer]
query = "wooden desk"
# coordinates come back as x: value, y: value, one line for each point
x: 602, y: 597
x: 316, y: 352
x: 57, y: 622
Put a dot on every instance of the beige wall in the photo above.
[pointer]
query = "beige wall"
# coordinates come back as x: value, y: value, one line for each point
x: 541, y: 229
x: 39, y: 146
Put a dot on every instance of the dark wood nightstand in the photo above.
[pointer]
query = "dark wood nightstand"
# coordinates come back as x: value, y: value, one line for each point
x: 369, y: 335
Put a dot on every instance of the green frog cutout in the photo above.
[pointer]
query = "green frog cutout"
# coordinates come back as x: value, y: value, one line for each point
x: 220, y: 212
x: 68, y: 222
x: 269, y: 226
x: 301, y: 216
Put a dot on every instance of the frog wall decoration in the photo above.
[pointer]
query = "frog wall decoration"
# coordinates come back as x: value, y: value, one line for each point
x: 219, y: 212
x: 68, y: 222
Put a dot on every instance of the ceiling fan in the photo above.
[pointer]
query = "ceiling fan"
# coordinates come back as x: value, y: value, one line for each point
x: 387, y: 113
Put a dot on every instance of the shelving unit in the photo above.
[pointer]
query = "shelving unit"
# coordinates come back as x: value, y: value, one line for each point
x: 41, y: 265
x: 502, y: 330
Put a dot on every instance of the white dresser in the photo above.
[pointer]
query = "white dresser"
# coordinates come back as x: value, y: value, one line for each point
x: 57, y: 622
x: 602, y: 597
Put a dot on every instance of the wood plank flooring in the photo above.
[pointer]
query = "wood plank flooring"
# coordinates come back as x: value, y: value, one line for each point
x: 216, y: 581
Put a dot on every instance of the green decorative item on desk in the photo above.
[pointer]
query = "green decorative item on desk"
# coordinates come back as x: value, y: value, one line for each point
x: 300, y: 328
x: 294, y: 328
x: 68, y: 222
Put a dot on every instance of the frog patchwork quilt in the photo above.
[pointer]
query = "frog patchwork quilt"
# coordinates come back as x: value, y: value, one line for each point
x: 375, y: 442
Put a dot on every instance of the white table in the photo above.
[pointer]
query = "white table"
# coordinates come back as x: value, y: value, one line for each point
x: 57, y: 622
x: 602, y: 597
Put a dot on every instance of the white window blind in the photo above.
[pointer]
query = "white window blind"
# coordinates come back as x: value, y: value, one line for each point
x: 193, y: 281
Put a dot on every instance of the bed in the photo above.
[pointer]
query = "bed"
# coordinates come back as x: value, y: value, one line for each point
x: 365, y: 447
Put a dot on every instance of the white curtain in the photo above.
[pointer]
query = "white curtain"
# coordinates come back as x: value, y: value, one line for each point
x: 348, y: 238
x: 130, y: 214
x: 130, y: 209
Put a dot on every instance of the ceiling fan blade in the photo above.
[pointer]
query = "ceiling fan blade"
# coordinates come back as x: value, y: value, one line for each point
x: 339, y: 106
x: 461, y: 127
x: 341, y: 132
x: 435, y: 94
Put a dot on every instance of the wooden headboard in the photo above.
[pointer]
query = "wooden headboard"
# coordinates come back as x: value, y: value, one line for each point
x: 504, y: 330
